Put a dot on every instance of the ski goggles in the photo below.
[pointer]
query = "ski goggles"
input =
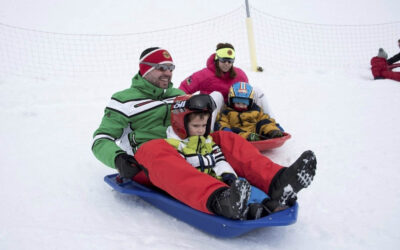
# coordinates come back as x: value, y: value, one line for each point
x: 201, y: 102
x: 161, y: 67
x: 224, y: 60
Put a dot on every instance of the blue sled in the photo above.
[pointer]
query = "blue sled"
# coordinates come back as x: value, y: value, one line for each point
x: 211, y: 224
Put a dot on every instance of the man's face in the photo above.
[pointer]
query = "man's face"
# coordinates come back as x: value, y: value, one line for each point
x: 159, y: 78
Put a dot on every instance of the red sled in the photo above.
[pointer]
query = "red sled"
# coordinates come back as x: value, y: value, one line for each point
x: 265, y: 145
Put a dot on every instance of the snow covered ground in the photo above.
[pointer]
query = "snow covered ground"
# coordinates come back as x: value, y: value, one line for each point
x: 51, y: 188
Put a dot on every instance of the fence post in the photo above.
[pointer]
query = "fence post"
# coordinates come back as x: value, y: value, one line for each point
x: 250, y: 36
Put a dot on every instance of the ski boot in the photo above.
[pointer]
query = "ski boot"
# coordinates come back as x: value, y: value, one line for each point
x: 231, y: 202
x: 289, y: 181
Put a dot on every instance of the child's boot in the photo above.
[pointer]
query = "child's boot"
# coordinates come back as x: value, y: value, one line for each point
x: 231, y: 202
x: 256, y: 211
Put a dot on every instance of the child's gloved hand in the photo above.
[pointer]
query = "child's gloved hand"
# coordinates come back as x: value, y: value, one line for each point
x: 253, y: 137
x: 274, y: 134
x: 228, y: 178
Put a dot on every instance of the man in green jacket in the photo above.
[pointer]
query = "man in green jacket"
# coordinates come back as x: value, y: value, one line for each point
x: 140, y: 116
x: 140, y: 113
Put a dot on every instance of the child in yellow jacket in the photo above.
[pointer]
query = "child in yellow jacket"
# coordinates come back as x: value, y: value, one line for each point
x: 242, y: 116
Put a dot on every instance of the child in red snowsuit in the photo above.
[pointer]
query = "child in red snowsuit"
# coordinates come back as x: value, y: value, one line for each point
x: 380, y: 68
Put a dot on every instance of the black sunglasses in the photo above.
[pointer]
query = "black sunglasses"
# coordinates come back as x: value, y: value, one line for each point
x: 201, y: 102
x: 224, y: 60
x: 161, y: 67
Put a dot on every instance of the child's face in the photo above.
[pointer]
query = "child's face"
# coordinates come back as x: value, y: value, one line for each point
x: 197, y: 126
x: 240, y: 105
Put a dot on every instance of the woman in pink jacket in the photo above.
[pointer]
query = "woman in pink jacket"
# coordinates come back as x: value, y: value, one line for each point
x: 219, y: 75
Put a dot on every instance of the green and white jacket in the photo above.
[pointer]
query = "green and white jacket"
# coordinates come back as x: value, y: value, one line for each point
x: 201, y: 152
x: 133, y: 116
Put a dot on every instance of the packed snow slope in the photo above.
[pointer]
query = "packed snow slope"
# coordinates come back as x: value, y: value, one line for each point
x: 51, y: 186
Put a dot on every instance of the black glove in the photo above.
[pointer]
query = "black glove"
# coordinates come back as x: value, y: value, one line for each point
x: 274, y: 134
x: 127, y: 165
x: 228, y: 178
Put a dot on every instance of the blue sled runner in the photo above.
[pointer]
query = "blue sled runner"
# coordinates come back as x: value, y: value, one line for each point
x: 211, y: 224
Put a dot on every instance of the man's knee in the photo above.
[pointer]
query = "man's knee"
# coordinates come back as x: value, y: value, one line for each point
x: 148, y: 151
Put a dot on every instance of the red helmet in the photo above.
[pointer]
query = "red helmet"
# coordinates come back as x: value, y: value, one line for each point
x: 186, y: 104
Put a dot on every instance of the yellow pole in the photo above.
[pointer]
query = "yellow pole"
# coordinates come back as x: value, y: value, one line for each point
x: 252, y: 46
x: 250, y: 36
